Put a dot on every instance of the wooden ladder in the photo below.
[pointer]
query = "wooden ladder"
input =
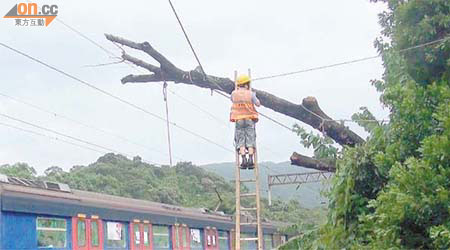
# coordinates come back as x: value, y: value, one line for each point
x: 255, y: 195
x: 239, y: 208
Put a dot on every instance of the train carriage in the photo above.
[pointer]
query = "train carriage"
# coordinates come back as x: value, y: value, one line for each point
x: 47, y: 215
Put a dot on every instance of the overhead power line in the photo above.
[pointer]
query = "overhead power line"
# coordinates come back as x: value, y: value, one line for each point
x: 203, y: 71
x: 346, y: 62
x: 113, y: 96
x: 193, y: 51
x: 93, y: 42
x: 86, y: 37
x: 187, y: 38
x: 67, y: 136
x: 206, y: 76
x: 179, y: 96
x: 109, y: 52
x: 53, y: 138
x: 212, y: 116
x: 72, y: 120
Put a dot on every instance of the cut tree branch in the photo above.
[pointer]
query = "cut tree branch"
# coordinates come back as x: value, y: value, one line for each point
x: 308, y: 112
x: 308, y: 162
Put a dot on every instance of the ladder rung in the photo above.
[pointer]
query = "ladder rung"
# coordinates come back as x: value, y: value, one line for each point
x: 248, y: 208
x: 248, y: 194
x: 249, y: 224
x: 249, y: 239
x: 248, y: 180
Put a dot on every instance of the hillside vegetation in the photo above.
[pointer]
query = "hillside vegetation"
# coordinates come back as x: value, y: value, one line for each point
x: 184, y: 185
x: 393, y: 191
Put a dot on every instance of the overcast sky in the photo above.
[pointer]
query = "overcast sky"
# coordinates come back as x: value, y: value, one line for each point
x: 269, y: 37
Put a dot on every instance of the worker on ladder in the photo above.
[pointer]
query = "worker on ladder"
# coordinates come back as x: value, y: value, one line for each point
x: 244, y: 114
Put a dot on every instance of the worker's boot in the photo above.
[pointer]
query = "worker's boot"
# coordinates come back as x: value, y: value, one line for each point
x: 244, y: 162
x: 250, y: 163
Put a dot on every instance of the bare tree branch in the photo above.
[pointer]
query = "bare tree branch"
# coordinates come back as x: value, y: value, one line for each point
x: 308, y: 162
x: 309, y: 112
x: 141, y: 63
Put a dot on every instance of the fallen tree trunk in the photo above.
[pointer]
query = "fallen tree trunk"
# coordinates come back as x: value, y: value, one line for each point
x: 308, y: 112
x: 308, y: 162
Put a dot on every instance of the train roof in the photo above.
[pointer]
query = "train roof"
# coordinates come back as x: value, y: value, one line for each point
x: 57, y: 199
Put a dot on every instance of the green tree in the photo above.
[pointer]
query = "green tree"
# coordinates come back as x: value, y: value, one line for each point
x: 392, y: 192
x: 21, y: 170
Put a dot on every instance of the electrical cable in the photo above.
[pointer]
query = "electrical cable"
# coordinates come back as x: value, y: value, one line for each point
x: 203, y: 71
x: 346, y: 62
x: 53, y: 138
x: 191, y: 46
x: 68, y: 136
x: 111, y: 95
x: 83, y: 124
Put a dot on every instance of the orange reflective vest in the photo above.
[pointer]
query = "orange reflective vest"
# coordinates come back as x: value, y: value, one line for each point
x: 242, y: 107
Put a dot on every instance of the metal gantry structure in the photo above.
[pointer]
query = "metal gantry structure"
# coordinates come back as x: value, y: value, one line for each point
x: 295, y: 178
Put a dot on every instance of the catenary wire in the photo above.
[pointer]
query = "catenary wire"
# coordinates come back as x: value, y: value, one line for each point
x: 53, y: 138
x: 206, y: 77
x: 83, y: 124
x: 133, y: 66
x: 187, y: 38
x: 347, y: 62
x: 212, y: 116
x: 112, y: 95
x: 68, y: 136
x: 193, y: 51
x: 254, y: 79
x: 116, y: 97
x: 203, y: 72
x: 273, y: 76
x: 93, y: 42
x: 104, y: 92
x: 217, y: 119
x: 260, y: 78
x: 101, y: 47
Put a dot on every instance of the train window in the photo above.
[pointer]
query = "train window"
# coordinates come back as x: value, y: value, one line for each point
x: 137, y: 234
x: 248, y: 244
x: 161, y: 237
x: 223, y: 240
x: 115, y: 234
x: 81, y: 233
x: 185, y: 235
x: 94, y: 233
x: 196, y: 240
x: 51, y: 232
x: 268, y: 241
x: 146, y: 235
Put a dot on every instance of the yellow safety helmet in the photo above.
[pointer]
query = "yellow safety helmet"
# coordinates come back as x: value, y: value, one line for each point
x: 242, y: 79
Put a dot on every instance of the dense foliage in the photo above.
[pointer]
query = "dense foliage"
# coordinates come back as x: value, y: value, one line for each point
x: 393, y: 191
x: 183, y: 184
